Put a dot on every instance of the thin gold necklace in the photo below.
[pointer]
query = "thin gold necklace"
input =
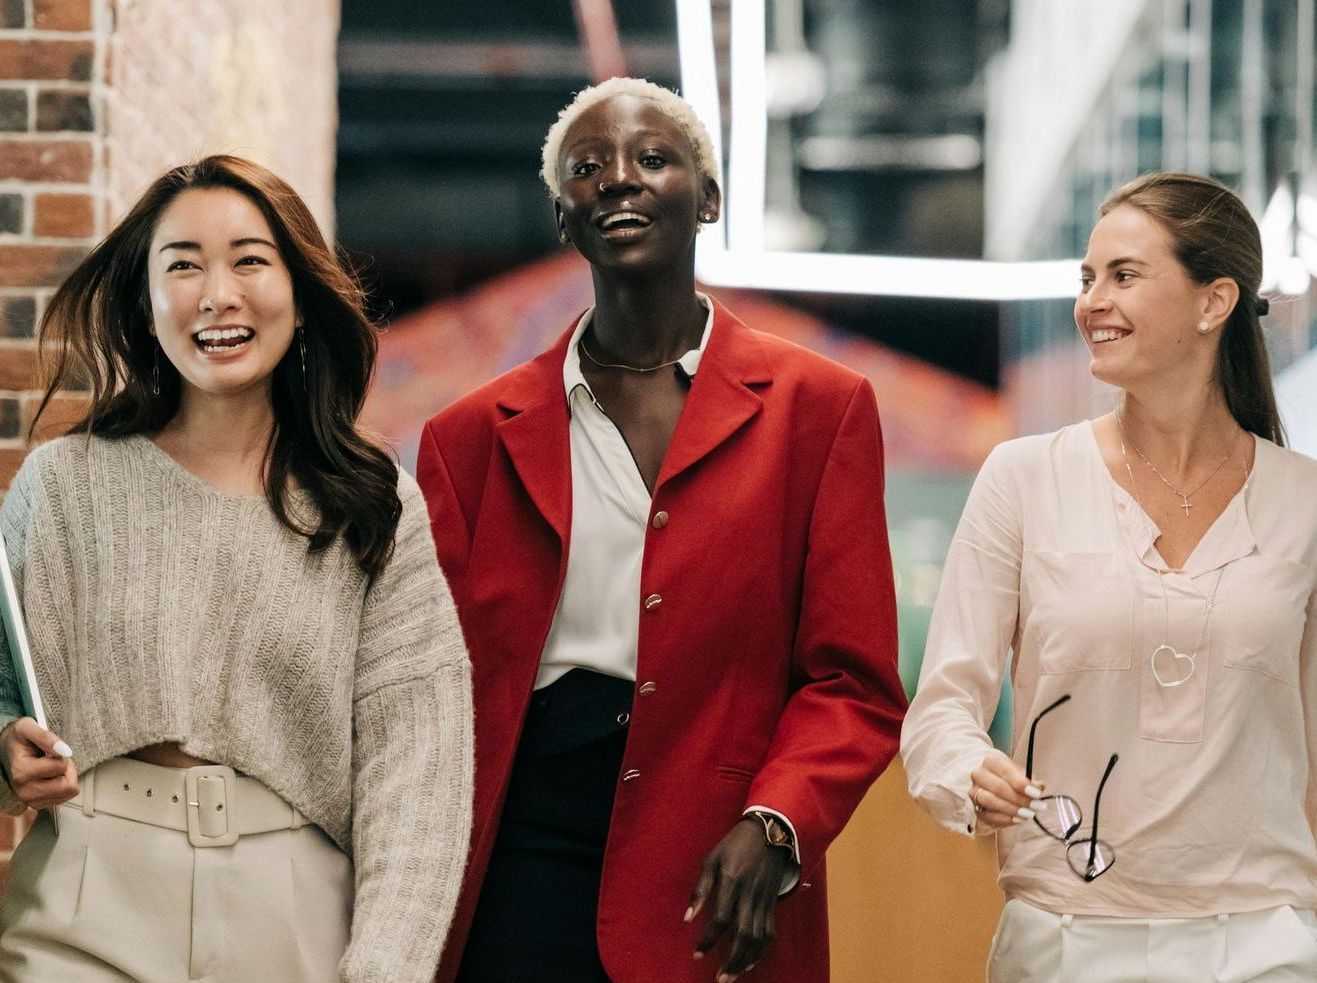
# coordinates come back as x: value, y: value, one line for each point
x: 620, y: 365
x: 1184, y: 497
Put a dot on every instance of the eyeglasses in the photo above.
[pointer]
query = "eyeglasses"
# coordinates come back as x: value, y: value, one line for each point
x: 1088, y: 856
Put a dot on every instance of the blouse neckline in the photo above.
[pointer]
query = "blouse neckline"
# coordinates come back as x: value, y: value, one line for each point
x: 1228, y: 538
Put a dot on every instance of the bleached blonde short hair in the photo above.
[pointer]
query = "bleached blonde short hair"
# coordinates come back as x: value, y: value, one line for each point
x: 672, y: 105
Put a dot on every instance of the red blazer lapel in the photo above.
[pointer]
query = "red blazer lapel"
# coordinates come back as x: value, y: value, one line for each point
x: 720, y: 400
x: 535, y: 435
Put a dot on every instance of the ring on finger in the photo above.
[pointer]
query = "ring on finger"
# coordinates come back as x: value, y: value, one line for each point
x: 974, y: 798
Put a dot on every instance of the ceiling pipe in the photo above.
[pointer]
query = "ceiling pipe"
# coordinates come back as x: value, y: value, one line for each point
x: 597, y: 26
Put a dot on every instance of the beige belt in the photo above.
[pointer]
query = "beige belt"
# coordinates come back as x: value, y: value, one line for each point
x: 212, y: 803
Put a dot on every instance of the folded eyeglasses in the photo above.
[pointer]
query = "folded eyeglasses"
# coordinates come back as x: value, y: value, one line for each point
x: 1087, y: 856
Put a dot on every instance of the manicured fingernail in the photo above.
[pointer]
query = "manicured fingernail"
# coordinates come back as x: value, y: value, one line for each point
x: 1025, y: 813
x: 690, y: 913
x: 63, y: 750
x: 1038, y: 805
x: 1016, y: 820
x: 1033, y: 791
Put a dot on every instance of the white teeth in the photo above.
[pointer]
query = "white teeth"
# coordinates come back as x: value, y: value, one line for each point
x: 222, y: 334
x: 618, y: 217
x: 1106, y: 334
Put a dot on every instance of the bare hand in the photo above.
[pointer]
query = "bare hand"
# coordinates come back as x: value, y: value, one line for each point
x: 745, y: 874
x: 1002, y: 793
x: 40, y: 776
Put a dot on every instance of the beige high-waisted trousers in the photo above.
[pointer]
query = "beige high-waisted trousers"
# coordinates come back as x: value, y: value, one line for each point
x: 114, y: 898
x: 1274, y: 945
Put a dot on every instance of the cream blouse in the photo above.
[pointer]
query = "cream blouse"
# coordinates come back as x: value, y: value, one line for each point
x: 1212, y: 805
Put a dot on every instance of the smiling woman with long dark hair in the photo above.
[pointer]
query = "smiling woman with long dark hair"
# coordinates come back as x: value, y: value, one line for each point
x: 666, y: 539
x: 237, y: 621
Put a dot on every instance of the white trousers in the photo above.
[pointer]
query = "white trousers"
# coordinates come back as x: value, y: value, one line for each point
x: 109, y: 898
x: 1275, y: 945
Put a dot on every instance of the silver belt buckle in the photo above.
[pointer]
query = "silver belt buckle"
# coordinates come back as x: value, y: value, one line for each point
x: 210, y: 791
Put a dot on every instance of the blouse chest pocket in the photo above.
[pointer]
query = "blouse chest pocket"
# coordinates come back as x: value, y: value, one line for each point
x: 1076, y: 610
x: 1259, y: 616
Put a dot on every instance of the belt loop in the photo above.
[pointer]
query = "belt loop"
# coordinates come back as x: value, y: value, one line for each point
x: 1222, y: 918
x: 88, y: 790
x: 1067, y: 920
x: 298, y: 820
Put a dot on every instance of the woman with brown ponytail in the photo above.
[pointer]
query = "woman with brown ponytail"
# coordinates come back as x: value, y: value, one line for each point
x: 1154, y: 573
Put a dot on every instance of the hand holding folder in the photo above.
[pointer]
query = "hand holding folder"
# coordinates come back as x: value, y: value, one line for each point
x: 38, y: 739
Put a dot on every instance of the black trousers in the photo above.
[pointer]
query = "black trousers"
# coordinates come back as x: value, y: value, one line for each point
x: 535, y: 920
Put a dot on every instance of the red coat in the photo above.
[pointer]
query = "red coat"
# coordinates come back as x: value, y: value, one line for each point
x: 772, y: 655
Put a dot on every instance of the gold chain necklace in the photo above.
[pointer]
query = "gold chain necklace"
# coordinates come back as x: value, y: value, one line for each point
x: 619, y: 365
x: 1184, y: 497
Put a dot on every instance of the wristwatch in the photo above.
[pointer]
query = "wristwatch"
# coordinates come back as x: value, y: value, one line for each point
x: 775, y: 831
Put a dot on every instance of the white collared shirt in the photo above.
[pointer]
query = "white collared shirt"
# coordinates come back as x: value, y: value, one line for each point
x: 597, y: 624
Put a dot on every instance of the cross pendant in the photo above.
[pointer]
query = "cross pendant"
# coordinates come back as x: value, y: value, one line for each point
x: 1185, y: 505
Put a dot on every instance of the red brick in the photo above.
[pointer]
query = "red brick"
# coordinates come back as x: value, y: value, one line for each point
x: 22, y: 265
x: 62, y: 110
x: 13, y: 14
x: 64, y: 411
x: 11, y: 459
x: 18, y: 368
x: 61, y: 15
x: 64, y: 216
x: 45, y: 160
x: 18, y: 316
x: 46, y: 60
x: 11, y: 417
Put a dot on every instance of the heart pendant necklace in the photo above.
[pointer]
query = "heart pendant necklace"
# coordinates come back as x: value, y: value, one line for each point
x: 1165, y: 656
x: 1179, y: 666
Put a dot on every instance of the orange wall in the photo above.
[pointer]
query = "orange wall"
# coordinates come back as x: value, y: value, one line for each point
x: 909, y: 902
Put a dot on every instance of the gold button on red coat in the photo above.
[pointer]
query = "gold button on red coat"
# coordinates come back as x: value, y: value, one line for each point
x: 660, y: 519
x: 647, y: 688
x: 653, y: 601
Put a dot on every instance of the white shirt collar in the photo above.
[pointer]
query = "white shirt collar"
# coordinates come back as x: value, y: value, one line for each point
x: 571, y: 366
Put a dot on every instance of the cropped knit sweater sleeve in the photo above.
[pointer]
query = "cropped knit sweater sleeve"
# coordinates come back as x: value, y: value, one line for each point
x: 160, y: 609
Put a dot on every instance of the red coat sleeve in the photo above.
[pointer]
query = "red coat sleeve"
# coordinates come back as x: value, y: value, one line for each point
x: 841, y: 725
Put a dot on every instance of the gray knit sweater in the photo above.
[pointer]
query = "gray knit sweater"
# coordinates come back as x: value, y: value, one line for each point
x: 160, y: 609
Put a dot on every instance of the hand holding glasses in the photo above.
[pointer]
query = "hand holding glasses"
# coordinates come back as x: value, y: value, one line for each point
x: 1088, y: 856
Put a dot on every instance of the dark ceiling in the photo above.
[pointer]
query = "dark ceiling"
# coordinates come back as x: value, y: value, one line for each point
x: 443, y: 108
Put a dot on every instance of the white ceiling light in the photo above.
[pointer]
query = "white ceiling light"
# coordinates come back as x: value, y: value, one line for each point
x: 732, y: 253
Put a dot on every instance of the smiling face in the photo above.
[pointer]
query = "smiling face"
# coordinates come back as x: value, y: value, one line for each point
x: 1138, y: 310
x: 632, y: 193
x: 221, y: 297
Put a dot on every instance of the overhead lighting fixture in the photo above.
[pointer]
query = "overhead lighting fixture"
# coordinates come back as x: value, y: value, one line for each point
x: 732, y: 253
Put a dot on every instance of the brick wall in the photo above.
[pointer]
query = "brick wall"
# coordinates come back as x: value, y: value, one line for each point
x: 97, y: 98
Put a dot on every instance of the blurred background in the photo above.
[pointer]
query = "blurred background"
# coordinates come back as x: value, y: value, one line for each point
x: 908, y: 187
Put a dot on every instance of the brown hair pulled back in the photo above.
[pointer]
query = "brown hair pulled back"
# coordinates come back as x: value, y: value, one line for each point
x: 1213, y: 235
x: 96, y: 332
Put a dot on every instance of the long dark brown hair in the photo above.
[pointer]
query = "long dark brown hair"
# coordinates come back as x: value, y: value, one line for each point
x: 95, y: 334
x: 1213, y: 235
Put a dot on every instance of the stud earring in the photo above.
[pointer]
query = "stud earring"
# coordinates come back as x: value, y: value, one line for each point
x: 563, y: 237
x: 1204, y: 327
x: 706, y: 217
